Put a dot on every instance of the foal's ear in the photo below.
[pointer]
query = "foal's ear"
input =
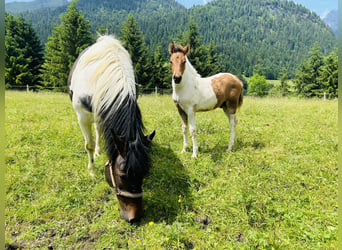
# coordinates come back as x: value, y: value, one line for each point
x: 171, y: 48
x: 186, y: 49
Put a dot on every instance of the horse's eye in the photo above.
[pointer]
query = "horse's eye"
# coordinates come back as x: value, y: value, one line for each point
x: 184, y: 62
x: 171, y: 62
x: 122, y: 165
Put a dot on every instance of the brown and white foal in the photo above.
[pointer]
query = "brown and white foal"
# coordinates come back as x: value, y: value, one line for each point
x: 192, y: 93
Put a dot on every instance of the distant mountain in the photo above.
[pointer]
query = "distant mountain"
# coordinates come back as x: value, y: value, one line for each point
x: 10, y: 1
x: 332, y: 20
x: 20, y: 5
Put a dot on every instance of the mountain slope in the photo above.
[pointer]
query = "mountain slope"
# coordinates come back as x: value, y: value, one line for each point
x: 110, y: 14
x: 275, y: 33
x: 246, y: 32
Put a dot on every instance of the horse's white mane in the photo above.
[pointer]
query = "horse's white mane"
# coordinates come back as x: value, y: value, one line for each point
x: 112, y: 62
x: 191, y: 68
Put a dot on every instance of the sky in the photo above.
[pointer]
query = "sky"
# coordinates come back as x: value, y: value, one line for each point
x: 321, y: 7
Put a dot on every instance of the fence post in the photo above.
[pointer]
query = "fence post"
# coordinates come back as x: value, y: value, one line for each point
x: 27, y: 88
x: 156, y: 90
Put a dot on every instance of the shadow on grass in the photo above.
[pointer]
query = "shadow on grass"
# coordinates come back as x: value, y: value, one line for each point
x: 167, y: 187
x: 220, y: 149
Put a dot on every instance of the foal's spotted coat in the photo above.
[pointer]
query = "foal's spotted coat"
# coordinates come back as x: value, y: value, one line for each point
x: 192, y: 93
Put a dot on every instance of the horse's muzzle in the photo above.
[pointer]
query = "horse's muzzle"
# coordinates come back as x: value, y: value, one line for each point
x: 177, y: 79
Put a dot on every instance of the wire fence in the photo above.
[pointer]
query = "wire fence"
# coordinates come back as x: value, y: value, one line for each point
x: 150, y: 91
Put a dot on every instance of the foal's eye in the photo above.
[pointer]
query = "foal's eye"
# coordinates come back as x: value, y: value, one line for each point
x: 171, y: 62
x: 184, y: 62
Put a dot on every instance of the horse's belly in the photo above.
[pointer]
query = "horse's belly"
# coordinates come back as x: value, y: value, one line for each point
x: 206, y: 98
x: 206, y: 104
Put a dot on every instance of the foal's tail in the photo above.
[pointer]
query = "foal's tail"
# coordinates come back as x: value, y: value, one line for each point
x: 240, y: 99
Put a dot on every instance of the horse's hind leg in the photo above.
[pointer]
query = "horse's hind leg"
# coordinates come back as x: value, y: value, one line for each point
x: 231, y: 114
x: 85, y: 125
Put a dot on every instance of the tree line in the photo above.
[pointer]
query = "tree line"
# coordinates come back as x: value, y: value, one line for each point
x: 27, y: 64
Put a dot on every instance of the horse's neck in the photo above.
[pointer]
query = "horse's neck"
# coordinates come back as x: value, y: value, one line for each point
x: 190, y: 71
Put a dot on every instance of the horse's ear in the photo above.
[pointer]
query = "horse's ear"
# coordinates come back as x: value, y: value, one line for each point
x: 120, y: 144
x: 186, y: 49
x: 151, y: 136
x: 171, y: 48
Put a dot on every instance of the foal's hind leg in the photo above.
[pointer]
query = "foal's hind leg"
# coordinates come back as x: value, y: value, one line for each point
x: 85, y: 125
x: 231, y: 114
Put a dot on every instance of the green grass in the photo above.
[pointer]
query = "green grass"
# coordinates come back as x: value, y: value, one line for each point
x: 276, y: 190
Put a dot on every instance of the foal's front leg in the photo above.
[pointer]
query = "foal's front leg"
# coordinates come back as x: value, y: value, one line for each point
x: 192, y: 126
x: 184, y: 118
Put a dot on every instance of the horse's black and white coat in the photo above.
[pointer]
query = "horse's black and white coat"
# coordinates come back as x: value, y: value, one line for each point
x: 103, y: 91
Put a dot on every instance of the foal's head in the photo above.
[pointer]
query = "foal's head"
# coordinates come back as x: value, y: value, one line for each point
x: 125, y: 174
x: 178, y: 60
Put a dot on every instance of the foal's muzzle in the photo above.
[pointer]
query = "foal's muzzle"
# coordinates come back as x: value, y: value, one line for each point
x: 177, y: 79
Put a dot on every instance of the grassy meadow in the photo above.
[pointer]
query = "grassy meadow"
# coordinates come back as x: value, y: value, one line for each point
x: 277, y: 189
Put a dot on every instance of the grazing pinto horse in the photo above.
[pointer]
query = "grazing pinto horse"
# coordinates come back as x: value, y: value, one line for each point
x: 103, y: 91
x: 192, y: 93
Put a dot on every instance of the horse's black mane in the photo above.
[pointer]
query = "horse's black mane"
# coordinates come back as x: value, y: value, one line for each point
x: 124, y: 119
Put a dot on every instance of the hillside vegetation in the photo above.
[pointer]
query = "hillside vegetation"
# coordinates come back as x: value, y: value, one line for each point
x: 277, y: 33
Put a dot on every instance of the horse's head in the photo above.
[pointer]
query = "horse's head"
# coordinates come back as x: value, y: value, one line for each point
x: 126, y: 182
x: 178, y: 60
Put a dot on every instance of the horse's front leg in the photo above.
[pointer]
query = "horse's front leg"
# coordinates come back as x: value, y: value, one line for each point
x: 98, y: 140
x: 184, y: 118
x: 85, y: 126
x: 192, y: 127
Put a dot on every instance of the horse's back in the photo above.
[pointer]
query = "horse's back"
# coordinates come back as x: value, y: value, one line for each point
x: 102, y: 72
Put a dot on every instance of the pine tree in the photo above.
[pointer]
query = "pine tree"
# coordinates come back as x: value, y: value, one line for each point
x: 329, y: 75
x: 307, y: 77
x: 284, y: 87
x: 213, y: 60
x: 23, y: 53
x: 161, y: 70
x: 198, y: 53
x: 65, y: 44
x: 133, y: 40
